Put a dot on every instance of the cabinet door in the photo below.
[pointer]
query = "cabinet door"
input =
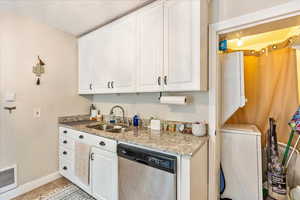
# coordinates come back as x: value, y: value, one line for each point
x: 104, y: 175
x: 150, y: 67
x: 125, y: 38
x: 182, y: 45
x: 104, y: 57
x: 233, y: 90
x: 86, y: 62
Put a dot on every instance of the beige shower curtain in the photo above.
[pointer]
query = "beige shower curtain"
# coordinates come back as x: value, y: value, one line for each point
x: 271, y: 90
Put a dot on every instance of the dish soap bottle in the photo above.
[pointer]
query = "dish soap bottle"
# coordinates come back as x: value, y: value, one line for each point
x: 136, y: 120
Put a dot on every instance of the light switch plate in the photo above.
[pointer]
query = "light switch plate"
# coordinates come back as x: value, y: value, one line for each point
x: 10, y: 97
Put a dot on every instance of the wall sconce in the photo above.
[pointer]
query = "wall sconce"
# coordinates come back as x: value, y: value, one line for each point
x: 38, y: 70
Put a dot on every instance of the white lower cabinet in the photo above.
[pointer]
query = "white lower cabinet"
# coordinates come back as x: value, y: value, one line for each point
x: 103, y: 178
x: 192, y: 171
x: 104, y: 171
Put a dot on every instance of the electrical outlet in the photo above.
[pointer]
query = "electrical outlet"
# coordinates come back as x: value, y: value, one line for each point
x: 37, y: 112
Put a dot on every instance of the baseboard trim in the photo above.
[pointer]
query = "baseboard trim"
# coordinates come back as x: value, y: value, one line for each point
x: 29, y: 186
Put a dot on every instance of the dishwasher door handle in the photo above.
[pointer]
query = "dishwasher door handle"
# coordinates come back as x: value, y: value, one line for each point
x: 141, y: 161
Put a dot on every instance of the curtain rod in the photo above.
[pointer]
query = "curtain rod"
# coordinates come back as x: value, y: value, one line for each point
x: 272, y: 47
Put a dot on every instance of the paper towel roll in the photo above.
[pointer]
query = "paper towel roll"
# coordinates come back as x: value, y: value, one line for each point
x: 180, y: 100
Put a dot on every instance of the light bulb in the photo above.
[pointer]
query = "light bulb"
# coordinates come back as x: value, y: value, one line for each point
x: 240, y: 42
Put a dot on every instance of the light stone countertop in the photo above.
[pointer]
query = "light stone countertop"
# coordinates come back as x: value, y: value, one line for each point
x: 170, y: 142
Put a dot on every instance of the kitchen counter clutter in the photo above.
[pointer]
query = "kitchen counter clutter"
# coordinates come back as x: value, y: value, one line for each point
x: 170, y: 142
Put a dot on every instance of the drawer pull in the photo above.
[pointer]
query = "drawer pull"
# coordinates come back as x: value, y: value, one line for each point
x: 65, y: 168
x: 65, y: 131
x: 102, y: 143
x: 81, y: 137
x: 65, y: 153
x: 92, y: 156
x: 65, y: 141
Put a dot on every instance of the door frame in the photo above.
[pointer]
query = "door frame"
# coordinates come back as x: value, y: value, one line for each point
x: 275, y: 13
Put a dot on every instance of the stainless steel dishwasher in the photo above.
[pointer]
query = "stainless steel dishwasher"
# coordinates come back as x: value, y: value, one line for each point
x: 146, y: 175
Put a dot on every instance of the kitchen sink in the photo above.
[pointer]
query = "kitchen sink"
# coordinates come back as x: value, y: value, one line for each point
x: 113, y: 128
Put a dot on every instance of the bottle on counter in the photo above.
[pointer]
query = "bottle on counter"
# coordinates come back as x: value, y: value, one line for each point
x: 136, y: 120
x: 99, y: 116
x: 93, y: 112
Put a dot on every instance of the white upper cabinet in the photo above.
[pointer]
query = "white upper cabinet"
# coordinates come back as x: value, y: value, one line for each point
x: 150, y: 69
x: 86, y: 63
x: 125, y: 36
x: 184, y: 68
x: 104, y: 57
x: 161, y: 47
x: 116, y: 56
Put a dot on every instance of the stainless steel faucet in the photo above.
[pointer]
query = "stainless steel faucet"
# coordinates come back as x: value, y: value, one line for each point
x: 121, y: 108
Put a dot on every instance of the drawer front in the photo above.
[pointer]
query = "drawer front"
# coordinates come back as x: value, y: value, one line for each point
x: 103, y: 143
x: 67, y: 142
x: 66, y: 154
x: 66, y: 169
x: 69, y: 136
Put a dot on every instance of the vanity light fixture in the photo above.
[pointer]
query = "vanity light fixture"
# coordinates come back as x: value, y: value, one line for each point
x: 38, y: 70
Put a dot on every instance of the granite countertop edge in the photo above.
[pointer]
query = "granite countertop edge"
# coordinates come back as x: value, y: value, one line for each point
x: 189, y: 153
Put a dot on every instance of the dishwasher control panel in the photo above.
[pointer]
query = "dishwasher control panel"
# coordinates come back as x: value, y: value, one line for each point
x: 151, y: 158
x: 160, y: 162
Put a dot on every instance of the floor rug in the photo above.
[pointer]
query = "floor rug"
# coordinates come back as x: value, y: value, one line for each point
x: 70, y: 192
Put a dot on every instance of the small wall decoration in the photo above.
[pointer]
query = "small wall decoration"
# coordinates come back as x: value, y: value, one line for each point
x: 38, y: 70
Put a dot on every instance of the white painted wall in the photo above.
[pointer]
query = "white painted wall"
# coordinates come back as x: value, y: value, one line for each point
x: 31, y: 142
x: 147, y: 105
x: 225, y: 9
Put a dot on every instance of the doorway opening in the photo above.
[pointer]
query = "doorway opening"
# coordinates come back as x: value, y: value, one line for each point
x: 259, y: 80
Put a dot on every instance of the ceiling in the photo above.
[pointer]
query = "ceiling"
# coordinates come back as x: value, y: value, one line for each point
x: 73, y: 16
x: 263, y: 28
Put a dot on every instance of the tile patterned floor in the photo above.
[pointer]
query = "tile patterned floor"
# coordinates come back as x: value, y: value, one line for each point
x: 44, y: 190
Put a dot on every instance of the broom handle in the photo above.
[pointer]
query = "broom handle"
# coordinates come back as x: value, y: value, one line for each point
x: 295, y: 146
x: 287, y: 148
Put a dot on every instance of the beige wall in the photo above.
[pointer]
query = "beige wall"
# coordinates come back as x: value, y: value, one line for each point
x: 226, y: 9
x: 31, y: 142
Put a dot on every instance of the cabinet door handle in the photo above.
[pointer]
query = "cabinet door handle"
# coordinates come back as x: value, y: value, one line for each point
x: 165, y: 80
x: 65, y: 131
x: 81, y: 137
x: 65, y: 153
x: 65, y: 141
x: 159, y: 80
x: 108, y: 84
x: 92, y: 156
x: 65, y: 168
x: 91, y: 86
x: 102, y: 143
x: 112, y: 84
